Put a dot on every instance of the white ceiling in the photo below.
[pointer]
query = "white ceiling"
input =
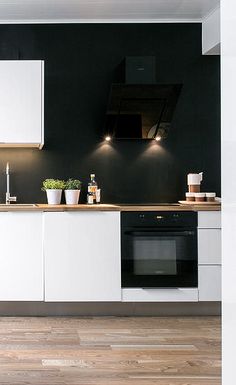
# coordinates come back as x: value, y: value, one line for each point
x: 54, y: 11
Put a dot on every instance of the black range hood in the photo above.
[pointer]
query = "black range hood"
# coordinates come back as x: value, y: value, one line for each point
x: 140, y: 108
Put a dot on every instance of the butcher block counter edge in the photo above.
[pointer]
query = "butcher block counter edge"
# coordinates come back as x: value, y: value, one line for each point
x: 171, y: 207
x: 111, y: 207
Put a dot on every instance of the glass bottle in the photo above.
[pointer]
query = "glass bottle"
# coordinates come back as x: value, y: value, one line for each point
x: 92, y: 187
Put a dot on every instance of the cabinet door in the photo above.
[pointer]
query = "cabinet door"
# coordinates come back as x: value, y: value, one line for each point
x: 21, y: 101
x: 21, y: 257
x: 209, y: 219
x: 209, y: 283
x: 209, y: 246
x: 82, y: 256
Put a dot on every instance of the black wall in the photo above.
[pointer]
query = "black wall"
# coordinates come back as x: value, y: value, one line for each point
x: 79, y: 66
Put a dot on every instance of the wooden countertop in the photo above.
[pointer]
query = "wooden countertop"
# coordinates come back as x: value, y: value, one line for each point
x: 79, y: 207
x: 171, y: 207
x: 110, y: 207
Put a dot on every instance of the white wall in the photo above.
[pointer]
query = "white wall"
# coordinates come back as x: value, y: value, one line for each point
x: 211, y: 34
x: 228, y: 84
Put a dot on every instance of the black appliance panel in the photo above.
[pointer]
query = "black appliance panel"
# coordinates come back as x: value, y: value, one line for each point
x: 159, y: 219
x: 159, y: 249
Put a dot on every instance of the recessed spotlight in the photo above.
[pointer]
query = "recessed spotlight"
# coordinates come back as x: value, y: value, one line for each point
x: 108, y: 138
x: 158, y: 138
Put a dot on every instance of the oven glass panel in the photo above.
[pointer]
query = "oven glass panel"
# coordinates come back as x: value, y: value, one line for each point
x: 154, y: 256
x: 159, y: 258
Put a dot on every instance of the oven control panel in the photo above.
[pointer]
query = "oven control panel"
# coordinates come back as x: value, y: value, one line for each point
x: 159, y: 218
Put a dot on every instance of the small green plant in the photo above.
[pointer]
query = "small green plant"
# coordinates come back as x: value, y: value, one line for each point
x: 53, y: 184
x: 73, y: 184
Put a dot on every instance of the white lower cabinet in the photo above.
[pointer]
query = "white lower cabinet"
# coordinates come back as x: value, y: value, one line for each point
x: 21, y: 257
x: 209, y: 246
x: 209, y: 283
x: 82, y: 256
x: 209, y: 255
x: 209, y: 219
x: 75, y: 256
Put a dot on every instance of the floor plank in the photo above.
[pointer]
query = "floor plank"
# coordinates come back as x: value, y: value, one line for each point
x: 110, y: 351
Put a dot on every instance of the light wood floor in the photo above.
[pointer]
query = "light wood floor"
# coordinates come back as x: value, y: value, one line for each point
x: 110, y: 351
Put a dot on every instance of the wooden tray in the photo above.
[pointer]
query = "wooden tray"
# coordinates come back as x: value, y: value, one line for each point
x: 217, y: 202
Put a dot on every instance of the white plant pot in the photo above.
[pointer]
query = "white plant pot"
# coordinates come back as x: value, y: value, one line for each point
x: 54, y: 196
x: 72, y: 197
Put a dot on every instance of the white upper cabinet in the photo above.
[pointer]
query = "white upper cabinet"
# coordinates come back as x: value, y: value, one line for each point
x: 21, y: 103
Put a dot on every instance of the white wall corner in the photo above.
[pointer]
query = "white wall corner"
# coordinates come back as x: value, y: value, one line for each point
x: 211, y: 33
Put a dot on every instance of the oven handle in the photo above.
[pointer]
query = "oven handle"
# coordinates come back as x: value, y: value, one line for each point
x: 161, y: 233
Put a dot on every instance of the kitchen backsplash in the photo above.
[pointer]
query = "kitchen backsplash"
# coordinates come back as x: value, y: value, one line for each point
x: 80, y: 61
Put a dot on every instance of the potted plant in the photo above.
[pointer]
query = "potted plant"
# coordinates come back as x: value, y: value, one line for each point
x: 53, y: 188
x: 72, y: 191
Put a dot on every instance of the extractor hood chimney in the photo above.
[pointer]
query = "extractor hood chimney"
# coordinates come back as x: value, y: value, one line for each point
x: 136, y: 70
x: 140, y: 70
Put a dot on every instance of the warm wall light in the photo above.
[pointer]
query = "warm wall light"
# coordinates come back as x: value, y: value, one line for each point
x: 108, y: 138
x: 158, y: 138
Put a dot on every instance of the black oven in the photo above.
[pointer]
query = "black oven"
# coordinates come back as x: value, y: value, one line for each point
x: 159, y: 249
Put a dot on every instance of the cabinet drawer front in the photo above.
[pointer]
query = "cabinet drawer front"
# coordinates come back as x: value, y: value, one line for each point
x: 160, y: 295
x: 209, y: 246
x: 209, y: 283
x: 209, y: 219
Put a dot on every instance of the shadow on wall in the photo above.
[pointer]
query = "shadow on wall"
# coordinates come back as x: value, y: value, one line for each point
x: 28, y: 168
x: 150, y: 164
x: 147, y: 165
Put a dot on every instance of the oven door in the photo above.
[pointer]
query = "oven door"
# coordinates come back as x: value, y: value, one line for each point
x: 159, y: 257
